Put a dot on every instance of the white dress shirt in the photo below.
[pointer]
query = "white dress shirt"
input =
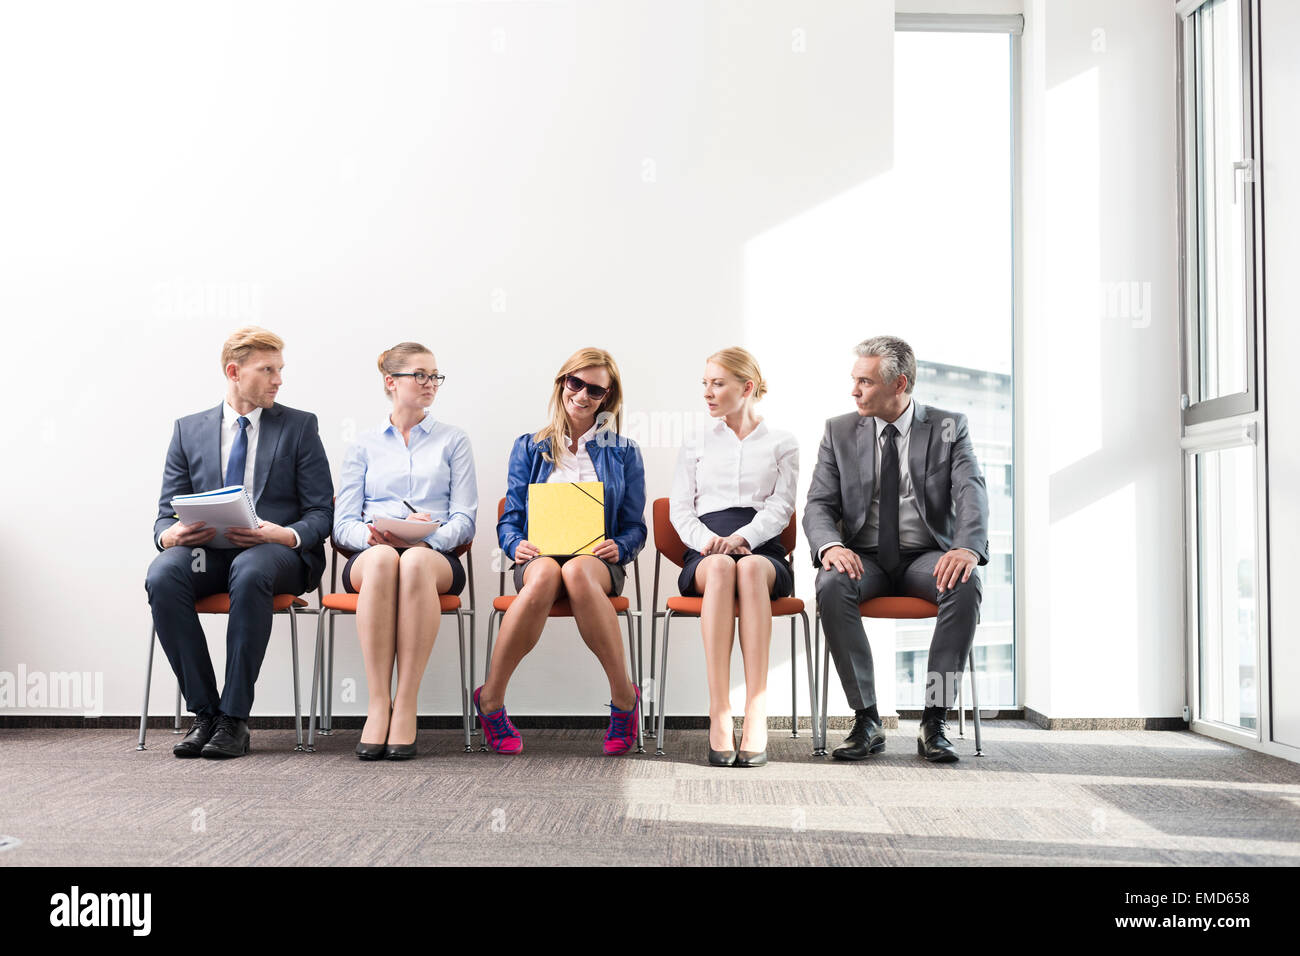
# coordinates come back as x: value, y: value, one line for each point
x: 719, y: 470
x: 913, y: 535
x: 229, y: 431
x: 577, y: 466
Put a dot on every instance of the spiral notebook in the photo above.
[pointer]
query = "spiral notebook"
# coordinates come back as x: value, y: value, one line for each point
x: 229, y: 507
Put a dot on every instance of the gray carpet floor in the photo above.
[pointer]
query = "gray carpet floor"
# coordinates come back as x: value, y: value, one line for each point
x: 1067, y: 798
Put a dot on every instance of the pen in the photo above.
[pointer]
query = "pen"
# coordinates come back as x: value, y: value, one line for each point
x: 408, y: 504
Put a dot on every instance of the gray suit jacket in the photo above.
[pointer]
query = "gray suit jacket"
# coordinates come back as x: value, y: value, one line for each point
x: 941, y: 461
x: 292, y: 486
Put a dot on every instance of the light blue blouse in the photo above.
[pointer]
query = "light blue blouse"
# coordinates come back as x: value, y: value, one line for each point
x: 435, y: 473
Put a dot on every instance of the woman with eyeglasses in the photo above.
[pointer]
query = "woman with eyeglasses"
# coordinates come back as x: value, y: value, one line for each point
x: 415, y: 467
x: 580, y: 442
x: 733, y: 495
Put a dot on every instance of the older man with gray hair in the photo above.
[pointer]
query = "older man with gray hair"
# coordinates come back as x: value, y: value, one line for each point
x: 897, y: 506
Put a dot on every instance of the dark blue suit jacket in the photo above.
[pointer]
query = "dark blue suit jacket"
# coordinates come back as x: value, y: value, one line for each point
x: 291, y: 477
x: 618, y: 465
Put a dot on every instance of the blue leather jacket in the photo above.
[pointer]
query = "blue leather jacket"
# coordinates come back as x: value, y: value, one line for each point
x: 618, y: 464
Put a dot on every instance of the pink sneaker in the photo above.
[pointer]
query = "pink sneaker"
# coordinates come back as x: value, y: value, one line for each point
x: 499, y: 732
x: 621, y: 736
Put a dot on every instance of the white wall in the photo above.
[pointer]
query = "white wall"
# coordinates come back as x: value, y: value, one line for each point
x: 1100, y: 479
x: 504, y: 182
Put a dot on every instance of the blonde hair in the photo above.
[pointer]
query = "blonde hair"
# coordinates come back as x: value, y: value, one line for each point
x: 391, y: 360
x: 611, y: 406
x: 244, y: 342
x: 743, y: 366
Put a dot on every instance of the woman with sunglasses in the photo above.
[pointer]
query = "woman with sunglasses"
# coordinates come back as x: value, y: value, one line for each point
x: 412, y: 466
x: 579, y: 443
x: 733, y: 495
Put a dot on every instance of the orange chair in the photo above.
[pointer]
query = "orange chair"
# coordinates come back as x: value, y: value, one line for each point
x: 668, y: 544
x: 896, y: 609
x: 220, y: 604
x: 561, y: 608
x: 342, y: 602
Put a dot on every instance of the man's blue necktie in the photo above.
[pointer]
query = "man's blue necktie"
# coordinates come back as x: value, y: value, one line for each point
x: 238, y: 455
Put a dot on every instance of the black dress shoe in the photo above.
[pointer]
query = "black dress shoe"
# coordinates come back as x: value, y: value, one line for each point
x: 399, y: 751
x: 866, y: 738
x: 200, y: 733
x: 230, y: 739
x: 750, y: 758
x: 371, y: 751
x: 932, y: 741
x: 723, y: 758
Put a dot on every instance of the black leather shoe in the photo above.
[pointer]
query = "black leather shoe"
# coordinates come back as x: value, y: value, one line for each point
x: 229, y: 739
x: 371, y: 751
x: 866, y: 738
x: 200, y: 733
x: 932, y: 741
x: 748, y: 758
x: 723, y: 758
x: 399, y: 751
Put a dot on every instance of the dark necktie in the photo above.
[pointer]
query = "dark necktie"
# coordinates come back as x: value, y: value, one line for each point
x: 238, y: 455
x: 887, y: 551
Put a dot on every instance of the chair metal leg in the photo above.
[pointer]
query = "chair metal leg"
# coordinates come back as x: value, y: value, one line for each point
x: 144, y: 706
x: 631, y: 638
x: 975, y: 705
x: 327, y: 720
x: 961, y: 714
x: 176, y: 722
x: 473, y: 657
x: 812, y: 675
x: 297, y: 701
x: 316, y: 684
x: 794, y: 684
x: 464, y: 675
x: 487, y: 669
x: 654, y: 683
x: 663, y: 683
x: 825, y: 683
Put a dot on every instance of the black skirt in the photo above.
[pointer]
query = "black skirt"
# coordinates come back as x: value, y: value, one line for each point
x: 457, y: 572
x: 724, y: 524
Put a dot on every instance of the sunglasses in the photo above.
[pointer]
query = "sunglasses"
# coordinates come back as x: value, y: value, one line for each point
x: 575, y: 384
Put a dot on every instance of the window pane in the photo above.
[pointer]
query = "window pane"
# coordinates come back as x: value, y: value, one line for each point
x: 952, y: 160
x: 1226, y: 574
x: 1222, y: 195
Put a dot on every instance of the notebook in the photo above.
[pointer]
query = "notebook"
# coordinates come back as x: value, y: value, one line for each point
x: 229, y: 507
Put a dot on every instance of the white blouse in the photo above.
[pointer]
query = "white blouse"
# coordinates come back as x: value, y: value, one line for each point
x: 717, y: 470
x: 577, y: 466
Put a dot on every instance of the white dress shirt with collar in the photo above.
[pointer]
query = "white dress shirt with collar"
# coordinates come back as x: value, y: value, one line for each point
x: 912, y: 532
x: 577, y: 466
x: 718, y: 470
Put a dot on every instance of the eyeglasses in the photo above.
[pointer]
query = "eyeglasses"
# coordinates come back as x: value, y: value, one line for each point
x: 575, y: 384
x: 422, y: 377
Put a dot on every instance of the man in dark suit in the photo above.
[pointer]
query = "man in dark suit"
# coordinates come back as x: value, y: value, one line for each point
x: 897, y: 506
x: 276, y: 452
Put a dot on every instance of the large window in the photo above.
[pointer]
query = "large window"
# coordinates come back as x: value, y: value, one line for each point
x: 953, y: 174
x: 1222, y: 413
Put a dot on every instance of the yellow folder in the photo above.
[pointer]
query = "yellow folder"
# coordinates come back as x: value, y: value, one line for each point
x: 566, y: 517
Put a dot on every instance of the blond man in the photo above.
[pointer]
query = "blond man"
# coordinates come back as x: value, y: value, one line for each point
x: 275, y: 452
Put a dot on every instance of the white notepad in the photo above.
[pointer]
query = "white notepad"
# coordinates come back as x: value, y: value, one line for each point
x: 412, y: 532
x: 229, y: 507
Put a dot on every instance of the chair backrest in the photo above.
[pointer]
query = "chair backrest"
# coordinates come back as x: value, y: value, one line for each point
x: 669, y: 543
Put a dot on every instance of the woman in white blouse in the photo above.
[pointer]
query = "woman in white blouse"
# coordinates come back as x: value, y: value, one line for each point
x: 733, y: 495
x: 411, y: 466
